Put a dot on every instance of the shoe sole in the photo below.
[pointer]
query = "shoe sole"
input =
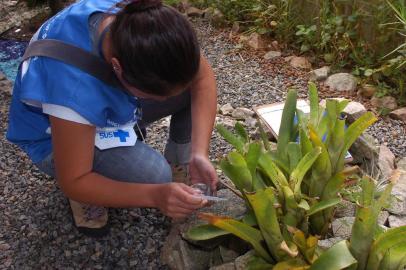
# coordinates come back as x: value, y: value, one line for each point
x: 91, y: 232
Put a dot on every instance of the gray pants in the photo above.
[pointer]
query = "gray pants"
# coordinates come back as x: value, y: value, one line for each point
x: 141, y: 163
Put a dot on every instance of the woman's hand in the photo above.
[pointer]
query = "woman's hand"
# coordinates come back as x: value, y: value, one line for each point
x: 202, y: 171
x: 177, y: 200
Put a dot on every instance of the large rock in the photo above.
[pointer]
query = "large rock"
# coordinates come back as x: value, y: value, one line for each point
x: 272, y: 55
x: 241, y: 263
x: 228, y: 122
x: 399, y: 114
x: 194, y: 12
x: 328, y: 243
x: 300, y: 62
x: 242, y: 113
x: 179, y: 254
x: 228, y: 255
x: 251, y: 122
x: 345, y: 209
x: 365, y: 150
x: 397, y: 221
x: 401, y: 164
x: 226, y: 266
x: 319, y: 74
x: 387, y: 102
x: 383, y: 217
x: 342, y: 82
x: 354, y: 110
x: 226, y: 109
x: 367, y: 90
x: 234, y: 206
x: 256, y: 42
x: 398, y: 203
x: 342, y: 227
x: 386, y: 162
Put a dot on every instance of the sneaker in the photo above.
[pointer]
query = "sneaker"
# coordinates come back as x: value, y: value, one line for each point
x: 180, y: 174
x: 90, y: 220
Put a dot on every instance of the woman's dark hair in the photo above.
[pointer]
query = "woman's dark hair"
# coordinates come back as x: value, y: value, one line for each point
x: 156, y: 46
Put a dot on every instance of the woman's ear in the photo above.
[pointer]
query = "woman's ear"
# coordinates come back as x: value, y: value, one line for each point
x: 117, y: 67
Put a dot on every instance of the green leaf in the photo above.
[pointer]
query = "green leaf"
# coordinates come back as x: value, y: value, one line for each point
x: 336, y: 183
x: 262, y: 202
x: 362, y: 235
x: 204, y: 232
x: 241, y: 230
x: 232, y: 139
x: 355, y: 130
x: 287, y: 124
x: 335, y: 258
x: 241, y: 132
x: 321, y: 170
x: 368, y: 191
x: 384, y: 198
x: 294, y: 155
x: 292, y: 264
x: 304, y: 205
x: 236, y: 159
x: 257, y: 263
x: 335, y: 144
x: 264, y: 136
x: 395, y: 258
x: 239, y: 175
x: 314, y: 104
x: 272, y: 171
x: 250, y: 219
x: 254, y: 152
x: 385, y: 241
x: 324, y: 204
x: 292, y: 216
x: 304, y: 165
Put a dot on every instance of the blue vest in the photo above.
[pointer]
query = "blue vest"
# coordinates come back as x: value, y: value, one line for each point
x: 51, y: 81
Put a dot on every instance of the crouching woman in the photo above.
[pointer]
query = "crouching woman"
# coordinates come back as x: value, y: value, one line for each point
x: 90, y: 135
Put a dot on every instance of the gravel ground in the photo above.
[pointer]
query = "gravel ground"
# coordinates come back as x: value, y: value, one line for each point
x: 35, y: 228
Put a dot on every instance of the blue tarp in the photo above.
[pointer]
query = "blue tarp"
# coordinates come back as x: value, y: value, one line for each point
x: 10, y: 54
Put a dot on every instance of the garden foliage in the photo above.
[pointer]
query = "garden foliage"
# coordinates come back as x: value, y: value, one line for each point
x: 365, y: 36
x: 291, y: 192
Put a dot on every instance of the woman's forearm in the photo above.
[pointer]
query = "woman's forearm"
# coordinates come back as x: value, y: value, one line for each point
x: 204, y: 106
x: 95, y: 189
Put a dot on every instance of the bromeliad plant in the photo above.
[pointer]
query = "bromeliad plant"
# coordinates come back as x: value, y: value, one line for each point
x: 372, y: 248
x: 291, y: 191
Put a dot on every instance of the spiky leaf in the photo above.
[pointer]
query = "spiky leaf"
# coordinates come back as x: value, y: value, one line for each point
x: 232, y: 139
x: 322, y: 205
x: 241, y: 132
x: 241, y: 230
x: 383, y: 243
x: 335, y: 258
x: 204, y: 232
x: 286, y: 129
x: 262, y: 202
x: 301, y: 169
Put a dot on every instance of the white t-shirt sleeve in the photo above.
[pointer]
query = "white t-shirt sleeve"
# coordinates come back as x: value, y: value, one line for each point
x: 64, y: 113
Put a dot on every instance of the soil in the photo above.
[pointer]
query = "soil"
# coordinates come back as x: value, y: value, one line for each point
x: 28, y: 29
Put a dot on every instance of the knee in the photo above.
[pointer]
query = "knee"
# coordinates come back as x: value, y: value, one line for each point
x: 161, y: 172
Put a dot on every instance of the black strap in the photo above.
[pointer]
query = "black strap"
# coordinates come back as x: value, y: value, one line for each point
x: 75, y: 56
